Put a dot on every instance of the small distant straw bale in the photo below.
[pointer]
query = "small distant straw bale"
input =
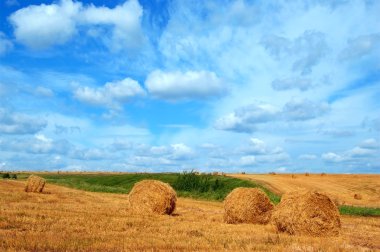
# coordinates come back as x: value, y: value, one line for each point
x: 152, y: 196
x: 307, y: 174
x: 35, y: 184
x: 247, y: 205
x: 307, y: 213
x: 357, y: 196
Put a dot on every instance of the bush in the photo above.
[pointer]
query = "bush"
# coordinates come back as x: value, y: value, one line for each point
x: 6, y: 176
x: 191, y: 182
x: 14, y: 176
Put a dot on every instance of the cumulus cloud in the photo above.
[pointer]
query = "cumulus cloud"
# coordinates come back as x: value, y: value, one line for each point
x: 370, y: 143
x: 304, y: 109
x: 360, y: 152
x: 5, y: 44
x: 256, y: 146
x: 246, y: 118
x: 256, y: 151
x: 125, y: 20
x: 366, y: 150
x: 43, y: 26
x: 177, y: 85
x: 111, y: 94
x: 181, y: 151
x: 302, y: 84
x: 332, y: 157
x: 18, y: 123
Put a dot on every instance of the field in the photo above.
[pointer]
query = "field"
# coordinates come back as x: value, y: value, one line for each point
x: 339, y: 187
x: 65, y: 219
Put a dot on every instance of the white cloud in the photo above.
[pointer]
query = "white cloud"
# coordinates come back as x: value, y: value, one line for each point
x: 304, y: 109
x: 256, y: 146
x: 111, y: 94
x: 332, y: 157
x: 43, y: 26
x: 360, y: 152
x: 5, y: 44
x: 18, y: 123
x: 177, y: 85
x: 370, y: 143
x: 181, y: 151
x: 233, y: 123
x: 246, y: 118
x: 125, y: 20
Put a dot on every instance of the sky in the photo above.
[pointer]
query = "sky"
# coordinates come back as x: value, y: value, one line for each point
x: 173, y: 85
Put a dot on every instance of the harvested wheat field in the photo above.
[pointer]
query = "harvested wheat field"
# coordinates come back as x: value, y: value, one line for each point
x: 62, y: 219
x: 341, y: 188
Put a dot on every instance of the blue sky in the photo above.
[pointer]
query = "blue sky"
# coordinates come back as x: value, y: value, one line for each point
x: 255, y: 86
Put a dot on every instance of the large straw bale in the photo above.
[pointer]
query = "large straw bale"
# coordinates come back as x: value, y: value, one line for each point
x: 247, y: 205
x: 152, y: 196
x: 307, y: 213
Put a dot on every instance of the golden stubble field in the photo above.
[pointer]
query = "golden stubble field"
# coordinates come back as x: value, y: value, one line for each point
x: 340, y: 187
x: 64, y: 219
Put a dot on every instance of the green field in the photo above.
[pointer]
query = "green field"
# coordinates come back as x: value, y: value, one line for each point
x: 206, y: 186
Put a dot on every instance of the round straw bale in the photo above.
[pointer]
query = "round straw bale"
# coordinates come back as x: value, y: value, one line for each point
x: 307, y: 213
x: 247, y: 205
x: 152, y: 196
x: 35, y: 184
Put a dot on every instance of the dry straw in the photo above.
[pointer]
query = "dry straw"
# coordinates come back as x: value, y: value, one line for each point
x: 247, y: 205
x: 35, y: 184
x: 152, y: 196
x: 307, y: 213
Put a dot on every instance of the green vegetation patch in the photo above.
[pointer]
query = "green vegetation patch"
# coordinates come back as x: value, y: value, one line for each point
x: 360, y: 211
x: 203, y: 186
